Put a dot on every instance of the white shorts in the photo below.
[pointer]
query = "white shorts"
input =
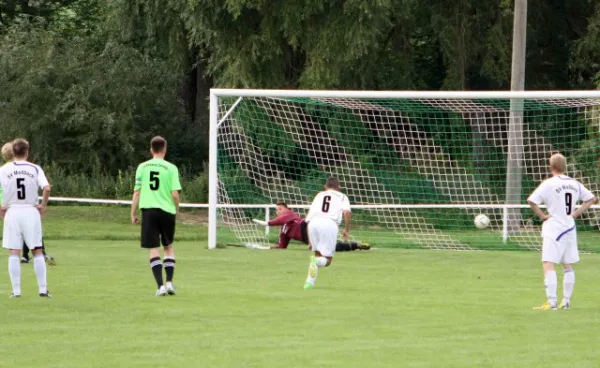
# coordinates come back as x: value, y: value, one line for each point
x: 22, y: 224
x: 562, y: 251
x: 322, y: 235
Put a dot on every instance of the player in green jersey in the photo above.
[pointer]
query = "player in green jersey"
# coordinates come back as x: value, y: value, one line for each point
x: 156, y: 192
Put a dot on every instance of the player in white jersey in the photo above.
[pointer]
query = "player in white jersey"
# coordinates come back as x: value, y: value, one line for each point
x: 324, y: 217
x: 20, y: 181
x: 9, y: 156
x: 560, y: 194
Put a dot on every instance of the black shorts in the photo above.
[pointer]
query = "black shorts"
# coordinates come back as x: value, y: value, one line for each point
x: 158, y: 227
x: 304, y: 231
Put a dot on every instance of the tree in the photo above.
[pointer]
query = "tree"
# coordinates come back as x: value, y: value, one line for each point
x: 89, y: 104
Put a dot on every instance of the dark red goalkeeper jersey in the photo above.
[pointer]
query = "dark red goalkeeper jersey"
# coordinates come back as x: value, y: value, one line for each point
x: 291, y: 227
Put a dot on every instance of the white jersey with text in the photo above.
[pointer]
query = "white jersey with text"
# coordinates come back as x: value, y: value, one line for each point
x: 329, y: 204
x: 560, y: 194
x: 21, y: 181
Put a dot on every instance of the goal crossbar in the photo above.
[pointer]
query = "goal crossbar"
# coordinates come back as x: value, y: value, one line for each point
x: 219, y: 92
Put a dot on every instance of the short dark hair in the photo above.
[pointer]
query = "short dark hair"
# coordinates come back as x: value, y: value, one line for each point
x: 20, y: 147
x: 332, y: 183
x: 282, y: 204
x: 158, y: 144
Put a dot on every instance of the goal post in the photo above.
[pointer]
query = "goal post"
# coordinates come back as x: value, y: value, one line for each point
x: 418, y: 166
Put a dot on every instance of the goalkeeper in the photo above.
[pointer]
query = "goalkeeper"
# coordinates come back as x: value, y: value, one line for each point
x: 293, y: 227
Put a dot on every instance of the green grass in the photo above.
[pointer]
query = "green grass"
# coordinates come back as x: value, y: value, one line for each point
x: 246, y: 308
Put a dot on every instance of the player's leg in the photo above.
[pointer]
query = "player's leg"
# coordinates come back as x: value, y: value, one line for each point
x: 13, y: 241
x: 31, y: 224
x: 39, y: 265
x: 550, y: 256
x: 25, y: 256
x: 151, y: 241
x: 50, y: 261
x: 570, y: 256
x: 568, y: 286
x: 14, y: 270
x: 323, y: 240
x: 157, y: 266
x: 313, y: 268
x: 351, y: 245
x: 169, y: 264
x: 342, y: 246
x: 167, y: 235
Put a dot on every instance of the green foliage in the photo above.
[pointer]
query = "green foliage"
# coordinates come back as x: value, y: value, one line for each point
x: 119, y: 186
x: 385, y: 44
x: 88, y: 82
x: 88, y: 104
x: 585, y: 53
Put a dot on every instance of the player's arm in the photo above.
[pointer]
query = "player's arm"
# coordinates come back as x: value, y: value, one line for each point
x: 275, y: 222
x: 45, y: 197
x: 534, y: 201
x: 278, y: 221
x: 135, y: 200
x: 347, y: 217
x: 584, y: 207
x: 45, y: 185
x: 2, y: 208
x: 284, y: 240
x: 175, y: 196
x: 175, y: 187
x: 283, y: 219
x: 538, y: 211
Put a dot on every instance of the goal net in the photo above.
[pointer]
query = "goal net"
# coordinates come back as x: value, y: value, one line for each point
x: 417, y: 166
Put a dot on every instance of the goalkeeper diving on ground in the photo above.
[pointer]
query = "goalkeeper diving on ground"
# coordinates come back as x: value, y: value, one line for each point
x: 293, y: 227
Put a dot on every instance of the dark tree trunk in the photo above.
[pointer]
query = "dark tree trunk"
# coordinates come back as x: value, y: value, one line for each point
x: 201, y: 111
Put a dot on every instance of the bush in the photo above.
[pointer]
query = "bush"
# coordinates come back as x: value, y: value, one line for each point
x: 89, y: 104
x: 120, y: 186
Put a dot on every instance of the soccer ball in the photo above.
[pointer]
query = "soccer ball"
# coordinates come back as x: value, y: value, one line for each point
x: 482, y: 221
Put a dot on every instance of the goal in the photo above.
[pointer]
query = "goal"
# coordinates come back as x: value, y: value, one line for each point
x: 417, y: 166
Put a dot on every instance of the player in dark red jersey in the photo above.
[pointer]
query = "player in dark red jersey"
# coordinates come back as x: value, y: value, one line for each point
x: 293, y: 227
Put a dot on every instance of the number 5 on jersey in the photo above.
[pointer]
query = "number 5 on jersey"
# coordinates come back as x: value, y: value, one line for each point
x: 154, y: 180
x: 20, y: 188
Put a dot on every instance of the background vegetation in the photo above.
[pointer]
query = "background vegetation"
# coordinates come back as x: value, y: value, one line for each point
x: 89, y: 82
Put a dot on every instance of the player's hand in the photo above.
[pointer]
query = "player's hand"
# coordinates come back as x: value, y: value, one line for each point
x: 346, y: 235
x: 546, y: 217
x: 41, y: 209
x: 263, y: 223
x: 3, y: 212
x: 135, y: 220
x: 309, y: 247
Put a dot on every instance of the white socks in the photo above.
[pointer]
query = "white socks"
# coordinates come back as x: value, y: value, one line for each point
x: 313, y: 272
x: 313, y: 269
x: 39, y: 265
x: 14, y: 269
x: 551, y: 282
x: 568, y: 284
x: 551, y: 285
x: 321, y: 261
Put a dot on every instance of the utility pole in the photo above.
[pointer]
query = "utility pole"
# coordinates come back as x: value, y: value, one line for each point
x: 514, y: 164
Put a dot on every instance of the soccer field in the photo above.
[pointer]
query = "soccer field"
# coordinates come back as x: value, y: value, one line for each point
x: 247, y: 308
